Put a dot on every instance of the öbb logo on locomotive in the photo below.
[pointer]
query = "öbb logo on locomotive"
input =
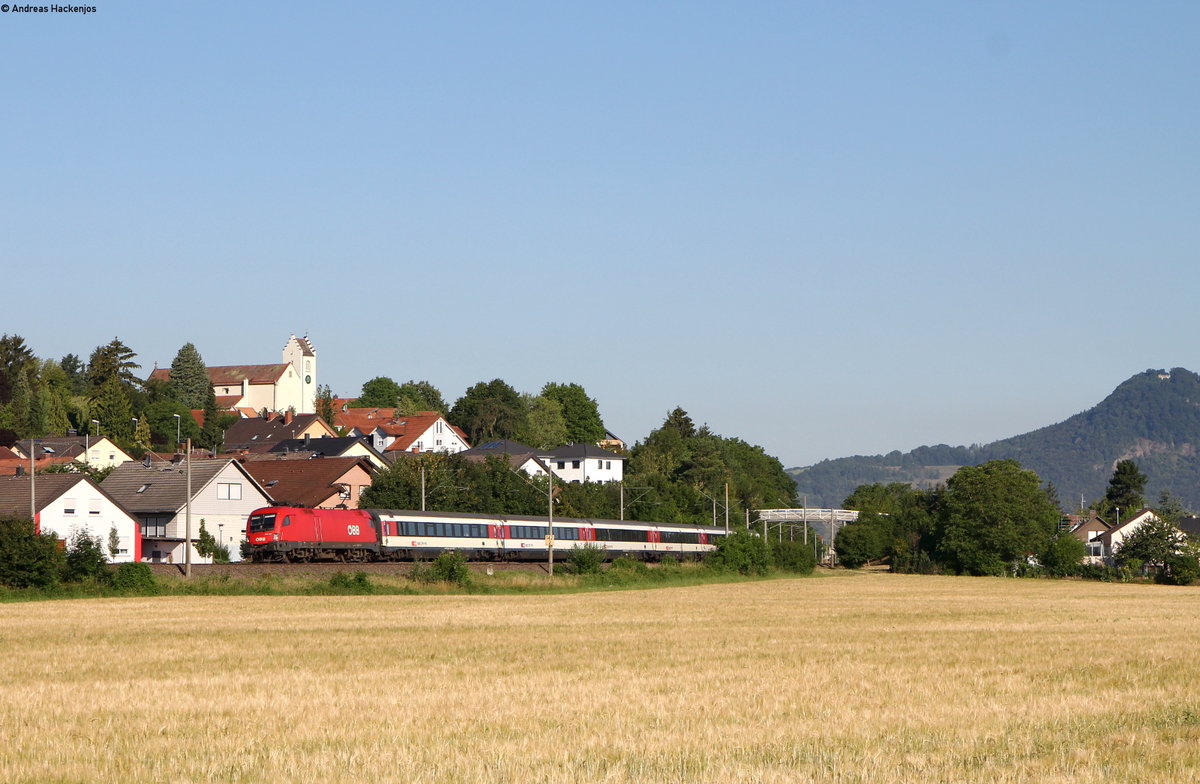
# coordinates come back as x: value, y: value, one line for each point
x: 297, y: 534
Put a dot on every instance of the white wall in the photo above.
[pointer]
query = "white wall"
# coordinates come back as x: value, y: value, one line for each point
x: 84, y: 508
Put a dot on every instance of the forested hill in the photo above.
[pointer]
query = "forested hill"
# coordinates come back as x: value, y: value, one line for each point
x: 1153, y: 418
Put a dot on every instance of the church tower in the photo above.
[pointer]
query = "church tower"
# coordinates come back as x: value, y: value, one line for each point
x: 303, y: 358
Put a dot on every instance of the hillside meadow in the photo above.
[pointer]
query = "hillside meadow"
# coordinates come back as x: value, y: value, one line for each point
x: 846, y: 678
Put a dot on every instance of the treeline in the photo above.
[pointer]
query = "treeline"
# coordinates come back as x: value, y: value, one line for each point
x: 998, y: 519
x: 678, y: 474
x: 1153, y: 417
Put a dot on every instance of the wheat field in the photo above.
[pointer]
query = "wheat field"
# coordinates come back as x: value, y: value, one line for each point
x: 850, y: 678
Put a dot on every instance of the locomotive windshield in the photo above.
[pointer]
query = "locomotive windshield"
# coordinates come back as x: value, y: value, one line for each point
x: 262, y: 522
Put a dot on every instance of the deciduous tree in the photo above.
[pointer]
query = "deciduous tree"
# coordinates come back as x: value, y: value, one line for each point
x: 993, y: 516
x: 581, y: 412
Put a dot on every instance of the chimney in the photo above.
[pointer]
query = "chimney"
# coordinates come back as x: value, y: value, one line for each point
x: 307, y: 438
x: 20, y: 470
x: 287, y: 417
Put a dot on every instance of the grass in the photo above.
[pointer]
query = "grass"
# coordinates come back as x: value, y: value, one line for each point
x: 299, y: 583
x: 853, y: 678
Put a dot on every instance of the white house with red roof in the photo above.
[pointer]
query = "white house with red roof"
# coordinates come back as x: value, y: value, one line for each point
x: 66, y: 504
x: 389, y: 431
x: 291, y: 384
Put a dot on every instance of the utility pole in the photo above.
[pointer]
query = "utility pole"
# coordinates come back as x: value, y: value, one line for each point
x: 550, y: 527
x: 187, y: 515
x: 422, y: 487
x: 726, y: 507
x: 33, y: 444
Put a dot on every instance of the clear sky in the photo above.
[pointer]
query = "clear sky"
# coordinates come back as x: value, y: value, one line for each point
x: 825, y: 228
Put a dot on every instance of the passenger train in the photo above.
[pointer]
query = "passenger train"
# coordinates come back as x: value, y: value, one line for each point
x: 297, y: 534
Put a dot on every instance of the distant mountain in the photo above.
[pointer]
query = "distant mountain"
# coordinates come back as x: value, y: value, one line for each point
x: 1153, y: 418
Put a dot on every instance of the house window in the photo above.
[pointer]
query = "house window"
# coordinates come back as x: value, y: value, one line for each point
x: 112, y: 455
x: 574, y: 464
x: 599, y: 464
x: 229, y: 491
x: 94, y: 506
x: 562, y: 464
x: 608, y: 465
x: 69, y: 506
x: 154, y: 526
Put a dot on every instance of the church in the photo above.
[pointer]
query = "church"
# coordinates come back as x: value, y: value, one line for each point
x: 289, y: 385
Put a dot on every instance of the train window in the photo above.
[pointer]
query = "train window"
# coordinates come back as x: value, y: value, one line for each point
x: 287, y: 519
x: 262, y: 522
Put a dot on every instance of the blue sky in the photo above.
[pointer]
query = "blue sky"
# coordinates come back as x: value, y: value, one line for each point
x: 828, y: 229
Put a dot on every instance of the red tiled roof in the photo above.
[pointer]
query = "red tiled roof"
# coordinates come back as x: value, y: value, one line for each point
x: 407, y: 430
x: 232, y: 375
x: 9, y: 466
x: 365, y: 419
x: 302, y: 482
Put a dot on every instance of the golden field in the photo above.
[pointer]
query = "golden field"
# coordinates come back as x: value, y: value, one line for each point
x: 846, y: 678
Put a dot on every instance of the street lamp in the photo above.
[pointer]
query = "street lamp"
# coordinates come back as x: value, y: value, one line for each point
x: 220, y: 538
x: 95, y: 422
x: 176, y: 432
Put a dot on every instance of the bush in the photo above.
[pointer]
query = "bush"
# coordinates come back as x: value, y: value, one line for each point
x: 586, y: 558
x: 1063, y: 555
x: 449, y: 567
x: 28, y: 559
x: 134, y: 577
x: 85, y: 559
x: 359, y: 582
x: 627, y: 564
x: 741, y: 552
x: 1180, y: 569
x: 799, y: 557
x: 858, y: 543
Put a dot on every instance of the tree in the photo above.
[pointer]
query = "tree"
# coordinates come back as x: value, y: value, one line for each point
x: 189, y: 381
x: 545, y: 426
x: 142, y: 440
x: 15, y: 358
x: 21, y: 406
x: 379, y: 392
x: 114, y: 360
x: 27, y: 559
x: 581, y: 412
x: 1062, y: 555
x: 857, y: 544
x: 114, y: 542
x: 212, y: 432
x: 325, y: 406
x: 112, y: 409
x: 76, y: 374
x: 679, y: 420
x: 160, y: 417
x: 417, y: 396
x: 1152, y: 543
x: 993, y: 516
x: 489, y: 410
x: 1127, y: 488
x: 741, y: 552
x: 85, y: 559
x: 206, y: 543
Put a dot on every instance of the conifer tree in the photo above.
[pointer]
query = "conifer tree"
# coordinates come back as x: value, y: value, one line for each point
x: 114, y: 360
x: 113, y: 410
x: 189, y: 377
x: 22, y: 405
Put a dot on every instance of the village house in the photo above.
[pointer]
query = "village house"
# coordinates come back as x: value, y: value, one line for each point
x: 319, y: 483
x: 95, y: 451
x: 261, y: 433
x: 342, y: 446
x: 223, y: 495
x: 389, y: 431
x: 69, y: 503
